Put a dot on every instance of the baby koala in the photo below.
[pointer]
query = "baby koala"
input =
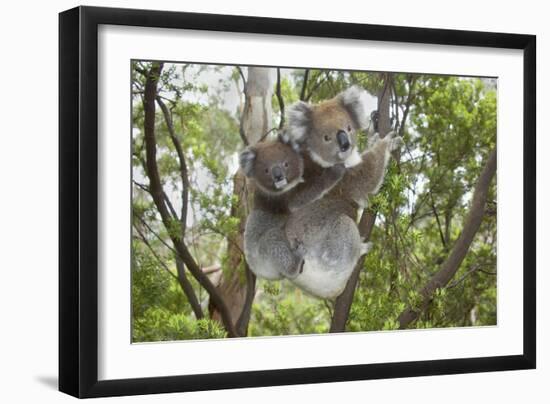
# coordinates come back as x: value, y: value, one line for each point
x: 275, y: 170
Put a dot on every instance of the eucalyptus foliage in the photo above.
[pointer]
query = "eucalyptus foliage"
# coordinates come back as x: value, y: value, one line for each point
x: 449, y: 127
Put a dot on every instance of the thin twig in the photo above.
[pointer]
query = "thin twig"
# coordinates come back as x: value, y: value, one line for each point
x: 181, y: 278
x: 151, y: 84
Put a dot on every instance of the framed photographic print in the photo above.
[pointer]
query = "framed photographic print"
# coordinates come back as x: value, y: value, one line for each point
x: 250, y: 201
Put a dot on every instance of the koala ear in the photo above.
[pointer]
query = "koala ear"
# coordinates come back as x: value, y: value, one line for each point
x: 283, y: 137
x: 354, y: 100
x: 247, y: 159
x: 299, y: 118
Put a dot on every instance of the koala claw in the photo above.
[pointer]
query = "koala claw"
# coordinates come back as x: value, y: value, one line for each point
x: 301, y: 267
x: 299, y: 248
x: 294, y: 272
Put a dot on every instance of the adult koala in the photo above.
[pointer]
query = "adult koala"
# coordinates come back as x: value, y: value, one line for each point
x: 327, y: 228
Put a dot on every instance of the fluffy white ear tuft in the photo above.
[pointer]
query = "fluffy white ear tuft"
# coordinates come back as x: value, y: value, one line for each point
x: 298, y: 121
x: 353, y: 159
x: 355, y: 100
x: 246, y: 161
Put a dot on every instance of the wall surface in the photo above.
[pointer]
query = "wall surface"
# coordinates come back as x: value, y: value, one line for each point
x: 28, y: 167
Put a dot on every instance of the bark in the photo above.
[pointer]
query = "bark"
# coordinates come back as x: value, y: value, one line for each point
x: 256, y: 117
x: 237, y: 286
x: 304, y: 86
x: 233, y: 283
x: 280, y: 99
x: 157, y: 194
x: 452, y: 264
x: 183, y: 166
x: 343, y: 302
x: 384, y: 118
x: 188, y: 289
x: 411, y: 81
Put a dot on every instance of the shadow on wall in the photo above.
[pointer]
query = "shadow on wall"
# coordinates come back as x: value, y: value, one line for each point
x: 48, y: 381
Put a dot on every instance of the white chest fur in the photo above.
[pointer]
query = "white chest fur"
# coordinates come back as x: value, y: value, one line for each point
x: 322, y: 281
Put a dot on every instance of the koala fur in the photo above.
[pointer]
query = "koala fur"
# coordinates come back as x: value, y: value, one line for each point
x: 275, y: 171
x: 327, y: 230
x: 334, y: 123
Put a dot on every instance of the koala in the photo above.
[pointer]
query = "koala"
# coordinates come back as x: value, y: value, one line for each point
x: 335, y: 124
x: 327, y: 230
x: 275, y: 171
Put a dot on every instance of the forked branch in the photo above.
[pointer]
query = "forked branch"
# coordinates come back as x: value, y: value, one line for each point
x: 157, y: 194
x: 452, y: 264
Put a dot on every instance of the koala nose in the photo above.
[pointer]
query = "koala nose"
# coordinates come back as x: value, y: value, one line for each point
x: 343, y: 140
x: 277, y: 173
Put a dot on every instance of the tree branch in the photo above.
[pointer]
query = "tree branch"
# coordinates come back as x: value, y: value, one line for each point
x: 188, y: 289
x: 166, y: 199
x: 241, y: 73
x: 242, y: 133
x: 205, y: 270
x: 304, y: 86
x: 343, y: 302
x: 183, y: 165
x: 410, y: 97
x: 434, y: 210
x: 158, y: 198
x: 280, y: 99
x: 475, y: 268
x: 244, y: 318
x: 451, y: 265
x: 316, y: 86
x: 184, y: 283
x: 148, y: 245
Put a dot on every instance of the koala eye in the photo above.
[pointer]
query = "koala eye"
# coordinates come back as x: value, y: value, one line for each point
x: 285, y: 164
x: 327, y: 138
x: 266, y: 171
x: 349, y: 128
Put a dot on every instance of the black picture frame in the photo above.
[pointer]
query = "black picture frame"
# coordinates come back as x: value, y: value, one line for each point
x: 78, y: 201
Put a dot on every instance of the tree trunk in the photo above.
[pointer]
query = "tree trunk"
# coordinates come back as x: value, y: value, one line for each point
x: 237, y: 286
x: 157, y: 193
x: 343, y: 302
x: 452, y: 263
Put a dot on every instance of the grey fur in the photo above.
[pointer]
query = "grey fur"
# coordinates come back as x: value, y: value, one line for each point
x: 314, y: 127
x: 327, y: 228
x: 266, y: 247
x: 246, y: 161
x: 298, y: 120
x: 267, y: 250
x: 318, y: 188
x: 318, y: 222
x: 354, y: 100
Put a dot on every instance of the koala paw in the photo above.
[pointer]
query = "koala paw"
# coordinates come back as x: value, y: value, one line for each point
x: 366, y: 247
x: 292, y: 273
x: 373, y: 139
x: 298, y: 248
